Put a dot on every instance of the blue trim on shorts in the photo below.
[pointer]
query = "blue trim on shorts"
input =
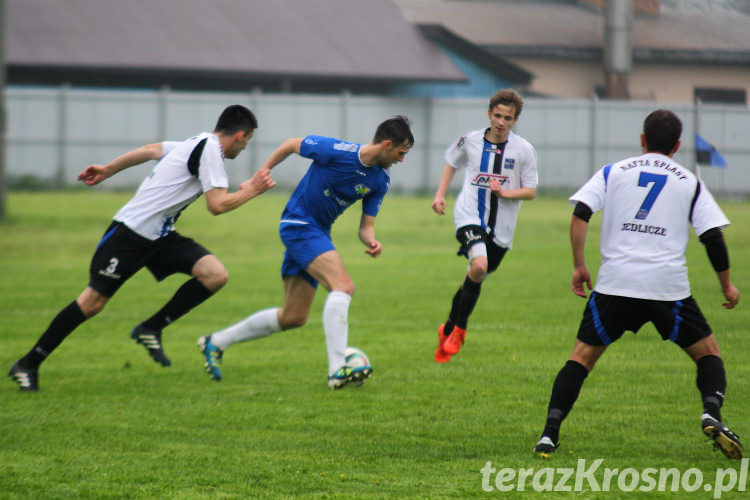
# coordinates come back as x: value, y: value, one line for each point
x: 600, y: 331
x: 677, y: 321
x: 107, y: 236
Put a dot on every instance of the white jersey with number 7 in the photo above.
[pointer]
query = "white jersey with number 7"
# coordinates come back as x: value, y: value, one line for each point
x: 649, y: 203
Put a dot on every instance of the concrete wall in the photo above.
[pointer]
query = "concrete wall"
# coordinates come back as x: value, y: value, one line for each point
x: 656, y: 82
x: 52, y: 134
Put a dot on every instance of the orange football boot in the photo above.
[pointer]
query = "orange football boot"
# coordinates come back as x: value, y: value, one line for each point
x: 440, y: 355
x: 454, y: 341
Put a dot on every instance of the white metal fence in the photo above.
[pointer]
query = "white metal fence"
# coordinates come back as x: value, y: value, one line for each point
x: 53, y: 133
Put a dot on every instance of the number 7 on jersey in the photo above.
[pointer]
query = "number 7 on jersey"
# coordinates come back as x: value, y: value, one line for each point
x: 644, y: 180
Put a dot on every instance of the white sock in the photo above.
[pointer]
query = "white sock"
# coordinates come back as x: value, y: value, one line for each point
x: 336, y: 327
x: 261, y: 324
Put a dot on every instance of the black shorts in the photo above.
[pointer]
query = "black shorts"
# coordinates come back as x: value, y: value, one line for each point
x: 470, y: 235
x: 607, y: 317
x: 121, y: 253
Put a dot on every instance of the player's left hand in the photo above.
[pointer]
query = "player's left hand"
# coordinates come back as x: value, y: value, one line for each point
x: 732, y: 295
x: 495, y: 188
x: 374, y: 249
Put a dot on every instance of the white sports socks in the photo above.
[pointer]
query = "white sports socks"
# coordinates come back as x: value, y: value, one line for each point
x: 336, y: 327
x: 261, y: 324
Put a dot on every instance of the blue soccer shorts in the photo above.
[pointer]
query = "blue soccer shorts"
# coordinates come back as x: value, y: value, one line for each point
x: 303, y: 242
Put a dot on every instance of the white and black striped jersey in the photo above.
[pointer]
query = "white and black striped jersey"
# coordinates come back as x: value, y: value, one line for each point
x: 649, y: 203
x: 513, y: 163
x: 186, y: 170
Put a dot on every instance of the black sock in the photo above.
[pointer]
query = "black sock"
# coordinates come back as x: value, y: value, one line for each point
x: 712, y: 383
x: 564, y: 393
x: 451, y: 322
x: 189, y: 295
x: 61, y: 326
x: 448, y: 328
x: 463, y: 303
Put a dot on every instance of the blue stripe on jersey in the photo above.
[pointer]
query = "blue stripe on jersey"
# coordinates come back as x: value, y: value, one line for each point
x: 598, y: 321
x: 106, y: 236
x: 168, y: 222
x: 677, y: 321
x: 484, y: 166
x: 606, y: 174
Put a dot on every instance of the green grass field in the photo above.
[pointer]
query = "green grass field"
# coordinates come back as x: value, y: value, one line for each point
x: 108, y: 422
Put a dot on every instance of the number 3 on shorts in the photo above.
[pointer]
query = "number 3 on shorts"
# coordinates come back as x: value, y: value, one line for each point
x: 112, y: 265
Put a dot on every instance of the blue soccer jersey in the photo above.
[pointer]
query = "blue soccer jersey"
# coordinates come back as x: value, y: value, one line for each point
x: 335, y: 180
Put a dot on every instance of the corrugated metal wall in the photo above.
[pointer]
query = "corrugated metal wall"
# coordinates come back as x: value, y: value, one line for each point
x: 52, y: 134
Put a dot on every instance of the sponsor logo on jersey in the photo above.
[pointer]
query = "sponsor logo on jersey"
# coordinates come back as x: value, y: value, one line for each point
x: 345, y: 146
x: 645, y: 162
x: 510, y: 163
x: 338, y: 200
x: 361, y: 189
x: 310, y: 141
x: 361, y: 173
x: 461, y: 142
x: 483, y: 179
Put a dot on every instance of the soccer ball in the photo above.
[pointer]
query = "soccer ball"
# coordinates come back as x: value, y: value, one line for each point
x: 355, y: 357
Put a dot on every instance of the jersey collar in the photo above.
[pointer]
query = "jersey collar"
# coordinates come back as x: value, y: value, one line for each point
x: 484, y: 136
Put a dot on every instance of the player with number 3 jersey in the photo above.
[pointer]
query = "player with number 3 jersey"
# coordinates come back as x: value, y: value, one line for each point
x: 142, y: 234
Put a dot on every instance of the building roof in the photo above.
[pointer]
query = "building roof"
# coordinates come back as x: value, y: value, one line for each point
x: 473, y: 52
x: 350, y: 40
x: 569, y: 30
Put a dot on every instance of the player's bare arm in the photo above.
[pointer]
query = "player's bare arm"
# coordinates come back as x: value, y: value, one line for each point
x: 219, y: 201
x: 289, y: 146
x: 524, y: 193
x: 94, y: 174
x: 581, y: 275
x: 367, y: 236
x: 438, y: 204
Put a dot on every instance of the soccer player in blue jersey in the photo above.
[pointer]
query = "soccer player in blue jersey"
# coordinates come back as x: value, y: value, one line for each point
x: 340, y: 174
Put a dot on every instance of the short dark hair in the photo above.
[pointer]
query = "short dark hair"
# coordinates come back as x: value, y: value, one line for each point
x: 397, y: 129
x: 662, y: 130
x: 509, y: 97
x: 236, y: 118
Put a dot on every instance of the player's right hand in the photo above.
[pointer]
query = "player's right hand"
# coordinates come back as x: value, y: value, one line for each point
x: 93, y: 175
x: 261, y: 181
x: 580, y: 276
x: 438, y: 205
